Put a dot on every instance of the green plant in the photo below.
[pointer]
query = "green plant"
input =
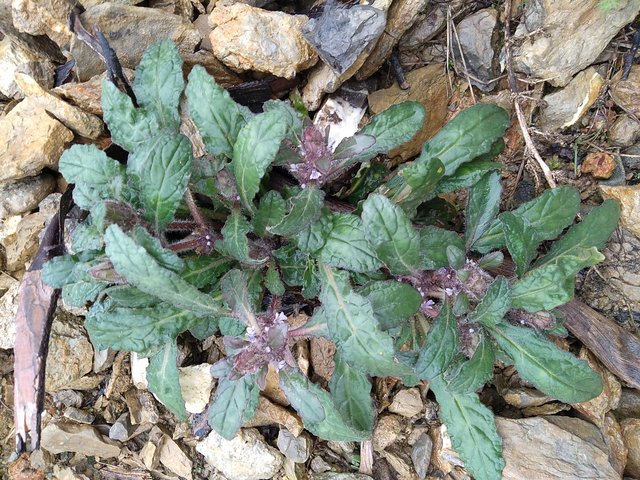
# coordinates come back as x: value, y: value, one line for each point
x: 225, y: 243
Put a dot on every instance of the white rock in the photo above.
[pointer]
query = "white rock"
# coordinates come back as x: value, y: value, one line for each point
x: 139, y: 367
x: 8, y: 310
x: 15, y: 57
x: 196, y: 384
x: 246, y: 457
x: 73, y: 437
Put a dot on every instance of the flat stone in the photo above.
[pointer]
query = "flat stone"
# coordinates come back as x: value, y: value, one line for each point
x: 322, y: 353
x: 629, y: 199
x: 70, y: 354
x: 631, y: 434
x: 73, y: 437
x: 569, y: 36
x: 626, y: 93
x: 30, y: 140
x: 82, y: 123
x: 142, y: 407
x: 118, y: 22
x: 43, y: 17
x: 174, y: 459
x: 214, y: 67
x: 421, y: 455
x: 596, y: 408
x: 536, y: 448
x: 21, y: 243
x: 624, y: 131
x: 629, y: 405
x: 427, y: 85
x: 204, y: 28
x: 443, y: 456
x: 8, y: 310
x: 68, y: 398
x: 196, y: 384
x: 24, y: 195
x: 15, y: 57
x: 245, y: 457
x: 388, y: 431
x: 79, y: 416
x: 339, y: 476
x: 430, y: 23
x: 139, y: 367
x: 566, y: 106
x: 407, y: 403
x: 297, y: 449
x: 269, y: 413
x: 249, y: 38
x: 122, y: 430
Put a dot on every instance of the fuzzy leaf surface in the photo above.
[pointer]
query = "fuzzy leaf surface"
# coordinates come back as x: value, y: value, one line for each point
x: 166, y: 258
x: 434, y: 242
x: 440, y: 347
x: 476, y: 371
x: 520, y: 239
x: 233, y: 404
x: 234, y: 239
x: 90, y: 165
x: 483, y: 203
x: 236, y: 295
x: 162, y: 379
x: 270, y: 212
x: 304, y: 208
x: 351, y: 392
x: 495, y: 303
x: 393, y: 302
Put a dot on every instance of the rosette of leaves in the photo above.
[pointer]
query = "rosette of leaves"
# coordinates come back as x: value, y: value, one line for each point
x: 225, y: 243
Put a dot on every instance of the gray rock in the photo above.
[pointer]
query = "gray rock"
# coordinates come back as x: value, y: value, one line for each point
x: 296, y: 449
x: 249, y: 38
x: 429, y: 24
x: 569, y: 35
x: 204, y: 28
x: 566, y: 106
x: 79, y: 416
x: 246, y: 457
x: 142, y: 407
x: 68, y: 398
x: 122, y: 429
x: 130, y: 30
x: 339, y: 476
x: 8, y: 310
x: 73, y: 437
x: 340, y: 34
x: 624, y: 131
x: 407, y: 403
x: 476, y: 34
x: 421, y: 455
x: 24, y: 195
x: 536, y: 448
x: 15, y: 57
x: 626, y: 93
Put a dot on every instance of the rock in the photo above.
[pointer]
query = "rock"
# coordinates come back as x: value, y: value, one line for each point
x: 575, y: 33
x: 339, y: 476
x: 139, y: 367
x: 477, y: 38
x: 118, y: 22
x: 17, y: 58
x: 599, y: 164
x: 8, y: 310
x: 629, y: 405
x: 596, y: 408
x: 429, y: 24
x: 43, y: 17
x: 319, y: 465
x: 575, y: 426
x: 196, y: 384
x: 214, y: 67
x: 388, y: 431
x: 122, y: 430
x: 25, y: 195
x: 103, y: 359
x: 407, y: 403
x: 272, y: 389
x: 631, y: 434
x: 322, y: 355
x: 72, y: 437
x: 566, y: 106
x: 246, y: 457
x: 21, y: 242
x: 536, y: 448
x: 248, y: 38
x: 624, y: 131
x: 525, y: 397
x: 79, y: 416
x: 421, y: 455
x: 296, y: 449
x: 629, y: 199
x: 204, y: 28
x: 427, y: 85
x: 30, y: 140
x: 443, y: 457
x: 626, y: 93
x: 68, y: 398
x: 174, y: 459
x: 82, y: 123
x: 616, y: 448
x: 70, y: 354
x: 142, y: 407
x: 269, y: 413
x: 341, y: 35
x: 401, y: 463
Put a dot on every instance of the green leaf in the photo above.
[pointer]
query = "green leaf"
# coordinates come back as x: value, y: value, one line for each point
x: 204, y: 327
x: 234, y: 403
x: 395, y: 240
x: 471, y: 133
x: 346, y: 245
x: 305, y: 208
x: 434, y: 243
x: 166, y: 258
x: 391, y: 128
x: 218, y: 118
x: 393, y: 302
x: 545, y: 288
x: 59, y: 271
x: 163, y: 380
x: 441, y: 345
x: 201, y: 271
x: 139, y: 330
x: 467, y: 174
x: 473, y: 431
x: 351, y: 392
x: 159, y: 83
x: 292, y: 263
x: 272, y: 280
x: 77, y: 294
x: 354, y: 329
x: 495, y: 303
x: 520, y: 239
x: 547, y: 215
x: 317, y: 409
x: 125, y: 296
x: 270, y: 212
x: 592, y: 232
x: 142, y: 270
x: 162, y: 168
x: 475, y: 372
x: 86, y: 237
x: 255, y: 148
x: 236, y: 295
x: 130, y: 127
x: 483, y: 203
x: 289, y: 115
x: 234, y: 239
x: 90, y: 165
x: 551, y: 370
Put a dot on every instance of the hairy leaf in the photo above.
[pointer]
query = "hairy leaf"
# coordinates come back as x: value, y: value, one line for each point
x: 59, y: 271
x: 475, y: 372
x: 166, y: 258
x: 234, y: 403
x: 351, y: 392
x: 126, y: 296
x: 234, y: 239
x: 90, y: 165
x: 270, y: 212
x: 163, y: 380
x: 495, y: 303
x: 272, y: 280
x: 236, y: 295
x: 551, y: 370
x: 201, y: 271
x: 441, y: 345
x: 393, y: 302
x: 305, y: 208
x: 289, y: 115
x: 473, y: 431
x: 467, y: 175
x: 255, y: 148
x: 434, y: 242
x: 389, y: 230
x: 520, y: 239
x: 546, y: 287
x: 218, y: 118
x: 483, y: 203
